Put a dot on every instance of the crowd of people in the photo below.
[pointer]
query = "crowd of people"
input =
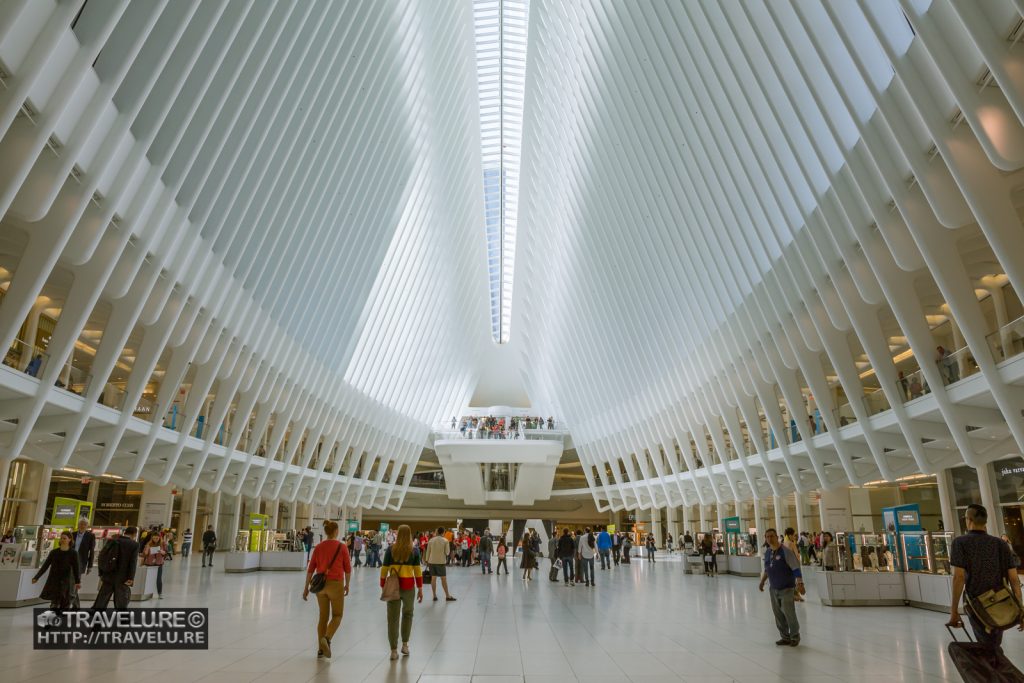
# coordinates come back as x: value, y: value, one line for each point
x: 497, y: 427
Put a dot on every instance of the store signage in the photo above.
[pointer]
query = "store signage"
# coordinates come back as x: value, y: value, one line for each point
x: 732, y: 524
x: 118, y: 506
x: 909, y: 517
x: 1010, y: 470
x: 611, y: 528
x: 352, y: 526
x: 384, y: 527
x: 86, y: 480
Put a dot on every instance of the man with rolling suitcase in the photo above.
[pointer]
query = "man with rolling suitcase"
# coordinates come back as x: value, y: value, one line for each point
x: 982, y: 568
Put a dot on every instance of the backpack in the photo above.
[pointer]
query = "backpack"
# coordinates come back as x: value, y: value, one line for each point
x: 109, y: 558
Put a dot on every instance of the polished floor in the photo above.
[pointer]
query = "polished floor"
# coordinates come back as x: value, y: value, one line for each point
x: 641, y: 623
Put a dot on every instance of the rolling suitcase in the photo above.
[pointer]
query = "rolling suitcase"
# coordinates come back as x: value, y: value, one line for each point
x: 980, y: 664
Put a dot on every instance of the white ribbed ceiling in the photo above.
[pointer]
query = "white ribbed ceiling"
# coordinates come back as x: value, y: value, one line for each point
x: 723, y: 213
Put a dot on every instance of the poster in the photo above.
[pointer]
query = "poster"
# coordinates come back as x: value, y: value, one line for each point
x: 10, y: 553
x: 153, y: 514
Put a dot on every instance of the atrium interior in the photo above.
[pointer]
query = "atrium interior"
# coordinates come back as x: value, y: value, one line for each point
x: 667, y: 268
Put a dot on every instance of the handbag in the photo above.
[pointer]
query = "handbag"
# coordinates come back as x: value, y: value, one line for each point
x: 996, y: 609
x: 392, y: 590
x: 319, y: 580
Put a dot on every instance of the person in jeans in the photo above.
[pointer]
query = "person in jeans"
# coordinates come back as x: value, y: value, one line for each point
x: 209, y: 545
x: 404, y: 561
x: 437, y: 560
x: 567, y: 554
x: 782, y: 572
x: 186, y: 543
x: 604, y: 548
x: 331, y: 558
x: 118, y: 581
x: 587, y: 546
x: 616, y: 547
x: 484, y: 549
x: 981, y: 563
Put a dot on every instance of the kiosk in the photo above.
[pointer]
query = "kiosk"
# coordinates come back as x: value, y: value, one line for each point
x: 259, y: 548
x: 741, y: 546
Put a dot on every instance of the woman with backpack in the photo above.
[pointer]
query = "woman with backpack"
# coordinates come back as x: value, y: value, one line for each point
x: 153, y: 555
x: 65, y: 579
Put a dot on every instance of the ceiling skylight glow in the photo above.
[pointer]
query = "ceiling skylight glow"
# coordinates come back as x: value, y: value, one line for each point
x: 501, y: 34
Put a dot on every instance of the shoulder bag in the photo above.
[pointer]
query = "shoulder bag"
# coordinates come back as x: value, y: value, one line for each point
x: 997, y: 610
x: 392, y: 589
x: 319, y: 580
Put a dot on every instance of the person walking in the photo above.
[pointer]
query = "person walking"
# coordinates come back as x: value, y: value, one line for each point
x: 604, y: 548
x: 403, y: 561
x: 981, y: 563
x: 587, y: 550
x: 186, y: 543
x: 789, y: 540
x: 84, y: 543
x: 436, y: 558
x: 465, y: 546
x: 688, y: 543
x: 117, y: 566
x: 153, y: 555
x: 502, y: 552
x: 307, y: 541
x: 484, y: 548
x: 567, y: 554
x: 210, y: 545
x: 616, y: 547
x: 65, y: 578
x: 357, y: 548
x: 627, y: 549
x: 651, y: 547
x: 782, y: 572
x: 707, y: 551
x: 330, y: 558
x: 529, y: 561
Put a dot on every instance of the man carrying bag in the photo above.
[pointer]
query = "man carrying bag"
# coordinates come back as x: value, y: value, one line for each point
x: 983, y: 573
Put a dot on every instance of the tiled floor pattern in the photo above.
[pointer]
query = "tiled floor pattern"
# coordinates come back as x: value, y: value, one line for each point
x: 642, y: 623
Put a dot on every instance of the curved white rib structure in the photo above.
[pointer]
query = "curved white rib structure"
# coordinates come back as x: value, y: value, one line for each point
x: 732, y: 215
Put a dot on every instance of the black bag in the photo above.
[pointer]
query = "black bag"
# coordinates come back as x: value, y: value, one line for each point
x: 319, y: 580
x: 427, y: 576
x: 109, y: 558
x: 979, y: 663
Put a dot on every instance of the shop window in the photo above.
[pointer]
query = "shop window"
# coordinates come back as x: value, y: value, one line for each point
x: 965, y: 486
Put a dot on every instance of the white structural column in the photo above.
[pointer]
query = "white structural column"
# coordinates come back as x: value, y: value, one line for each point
x: 656, y: 526
x: 213, y: 516
x: 986, y: 482
x: 779, y: 504
x: 273, y: 511
x: 947, y: 506
x: 673, y: 523
x: 193, y: 510
x: 703, y: 509
x: 236, y: 517
x: 686, y: 520
x: 42, y: 492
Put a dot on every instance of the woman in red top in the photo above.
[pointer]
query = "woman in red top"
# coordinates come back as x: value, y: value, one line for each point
x: 331, y: 558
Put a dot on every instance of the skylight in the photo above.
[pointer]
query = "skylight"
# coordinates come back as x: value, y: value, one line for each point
x: 501, y: 31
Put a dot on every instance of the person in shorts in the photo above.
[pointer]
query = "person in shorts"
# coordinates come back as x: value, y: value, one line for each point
x: 436, y: 557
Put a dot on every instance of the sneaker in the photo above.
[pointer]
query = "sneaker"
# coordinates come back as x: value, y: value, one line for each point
x: 405, y: 649
x: 450, y: 598
x: 325, y: 646
x: 319, y: 654
x: 159, y: 596
x: 794, y: 641
x: 435, y: 598
x: 783, y: 641
x: 394, y: 655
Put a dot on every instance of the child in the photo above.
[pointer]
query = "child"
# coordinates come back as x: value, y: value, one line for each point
x: 502, y: 550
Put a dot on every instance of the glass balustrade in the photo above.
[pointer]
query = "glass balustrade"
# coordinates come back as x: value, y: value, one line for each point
x: 1008, y: 340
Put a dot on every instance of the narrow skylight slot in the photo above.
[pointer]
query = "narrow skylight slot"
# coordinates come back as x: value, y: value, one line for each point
x: 501, y: 33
